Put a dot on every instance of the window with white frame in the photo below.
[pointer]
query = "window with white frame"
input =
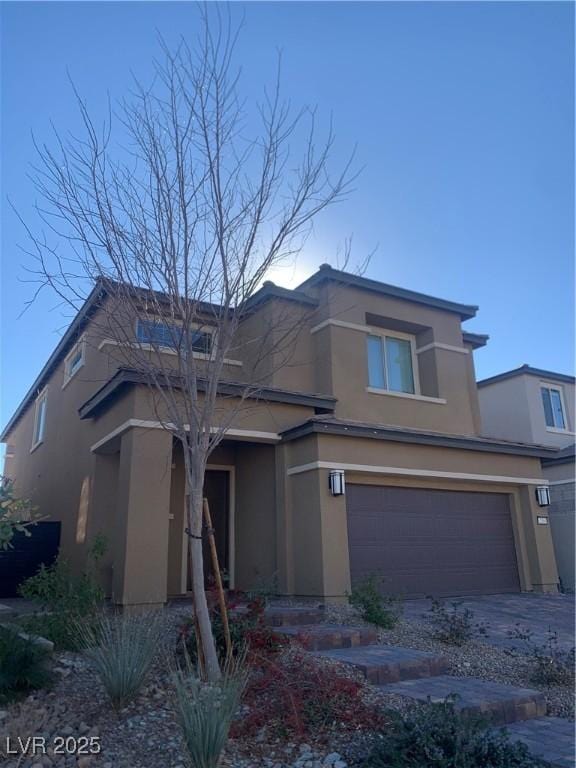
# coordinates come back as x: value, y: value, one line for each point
x: 40, y: 419
x: 553, y: 403
x: 390, y: 364
x: 171, y: 336
x: 74, y: 361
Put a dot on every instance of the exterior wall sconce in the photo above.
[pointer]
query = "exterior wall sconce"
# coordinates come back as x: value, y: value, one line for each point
x: 543, y: 496
x: 336, y: 483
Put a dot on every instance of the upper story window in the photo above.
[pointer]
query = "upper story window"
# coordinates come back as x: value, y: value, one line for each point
x: 390, y: 364
x: 170, y: 335
x: 40, y: 419
x: 74, y: 361
x: 553, y: 403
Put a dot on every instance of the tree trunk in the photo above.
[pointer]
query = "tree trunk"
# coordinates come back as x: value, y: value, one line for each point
x: 206, y: 639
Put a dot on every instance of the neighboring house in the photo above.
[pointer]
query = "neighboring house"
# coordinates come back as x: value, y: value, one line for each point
x: 537, y: 406
x: 381, y: 388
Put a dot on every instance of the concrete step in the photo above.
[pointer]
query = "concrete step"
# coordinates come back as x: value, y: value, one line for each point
x: 382, y: 664
x: 549, y: 738
x: 324, y: 637
x: 502, y: 703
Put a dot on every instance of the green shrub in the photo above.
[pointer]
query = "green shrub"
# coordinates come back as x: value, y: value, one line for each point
x: 16, y: 515
x: 205, y: 710
x: 122, y: 649
x: 455, y: 625
x: 24, y: 666
x: 552, y: 665
x: 373, y: 606
x: 438, y: 736
x: 64, y: 598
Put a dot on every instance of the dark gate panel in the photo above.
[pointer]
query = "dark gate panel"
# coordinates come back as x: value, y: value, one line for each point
x: 432, y: 542
x: 28, y: 552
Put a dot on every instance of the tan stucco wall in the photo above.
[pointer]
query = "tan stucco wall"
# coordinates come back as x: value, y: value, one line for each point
x: 342, y: 365
x: 319, y: 550
x: 255, y: 517
x: 512, y: 409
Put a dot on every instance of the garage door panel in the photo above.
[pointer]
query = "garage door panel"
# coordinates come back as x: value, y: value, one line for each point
x: 423, y: 541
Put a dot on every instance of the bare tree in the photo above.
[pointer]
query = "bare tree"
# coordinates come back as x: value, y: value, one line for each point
x: 180, y: 226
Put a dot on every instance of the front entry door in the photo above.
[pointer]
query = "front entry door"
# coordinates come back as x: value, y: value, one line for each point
x: 217, y: 492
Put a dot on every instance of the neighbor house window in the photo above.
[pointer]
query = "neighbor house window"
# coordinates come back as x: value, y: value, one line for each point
x: 40, y: 419
x: 171, y: 336
x: 390, y: 364
x: 74, y: 361
x: 553, y: 408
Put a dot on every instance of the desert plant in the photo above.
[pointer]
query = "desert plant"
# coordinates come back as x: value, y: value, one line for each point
x: 205, y: 710
x: 295, y: 694
x: 552, y: 665
x: 248, y: 630
x: 16, y: 515
x: 64, y: 598
x: 24, y: 665
x: 122, y: 649
x: 375, y: 608
x: 455, y: 625
x: 438, y: 736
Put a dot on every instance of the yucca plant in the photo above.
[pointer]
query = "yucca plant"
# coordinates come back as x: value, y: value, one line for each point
x: 122, y: 649
x: 206, y: 710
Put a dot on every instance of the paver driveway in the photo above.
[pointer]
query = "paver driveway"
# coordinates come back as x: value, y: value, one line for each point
x: 502, y: 613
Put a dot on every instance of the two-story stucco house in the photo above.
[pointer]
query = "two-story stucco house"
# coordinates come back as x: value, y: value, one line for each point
x: 381, y: 388
x: 537, y: 406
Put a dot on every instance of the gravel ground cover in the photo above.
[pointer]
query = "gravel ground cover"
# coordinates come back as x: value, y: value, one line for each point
x: 145, y: 734
x: 475, y: 659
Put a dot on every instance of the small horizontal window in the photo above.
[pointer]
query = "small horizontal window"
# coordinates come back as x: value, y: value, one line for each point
x: 172, y: 336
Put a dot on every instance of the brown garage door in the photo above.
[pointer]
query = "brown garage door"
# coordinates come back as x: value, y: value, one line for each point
x: 431, y: 542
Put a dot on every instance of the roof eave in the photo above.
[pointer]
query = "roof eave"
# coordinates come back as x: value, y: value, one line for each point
x: 326, y: 272
x: 128, y: 377
x: 379, y: 432
x: 73, y: 329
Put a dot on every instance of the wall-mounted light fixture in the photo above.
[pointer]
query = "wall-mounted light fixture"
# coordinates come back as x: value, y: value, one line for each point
x: 336, y: 482
x: 543, y: 496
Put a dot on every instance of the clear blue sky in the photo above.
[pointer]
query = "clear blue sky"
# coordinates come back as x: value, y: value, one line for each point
x: 464, y: 118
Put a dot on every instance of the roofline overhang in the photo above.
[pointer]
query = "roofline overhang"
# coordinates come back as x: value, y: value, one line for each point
x: 527, y: 370
x: 128, y: 377
x: 71, y: 335
x: 396, y: 435
x: 476, y: 340
x: 327, y: 273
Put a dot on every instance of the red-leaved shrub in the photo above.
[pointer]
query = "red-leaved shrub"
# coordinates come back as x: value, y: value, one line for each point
x: 295, y: 693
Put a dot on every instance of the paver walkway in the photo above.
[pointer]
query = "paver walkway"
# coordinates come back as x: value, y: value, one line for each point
x: 503, y: 703
x: 420, y: 675
x: 551, y: 738
x: 502, y: 613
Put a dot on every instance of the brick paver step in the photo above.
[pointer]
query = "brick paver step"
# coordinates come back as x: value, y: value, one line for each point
x: 549, y: 738
x: 286, y: 616
x: 502, y: 703
x: 387, y: 664
x: 291, y: 617
x: 323, y: 637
